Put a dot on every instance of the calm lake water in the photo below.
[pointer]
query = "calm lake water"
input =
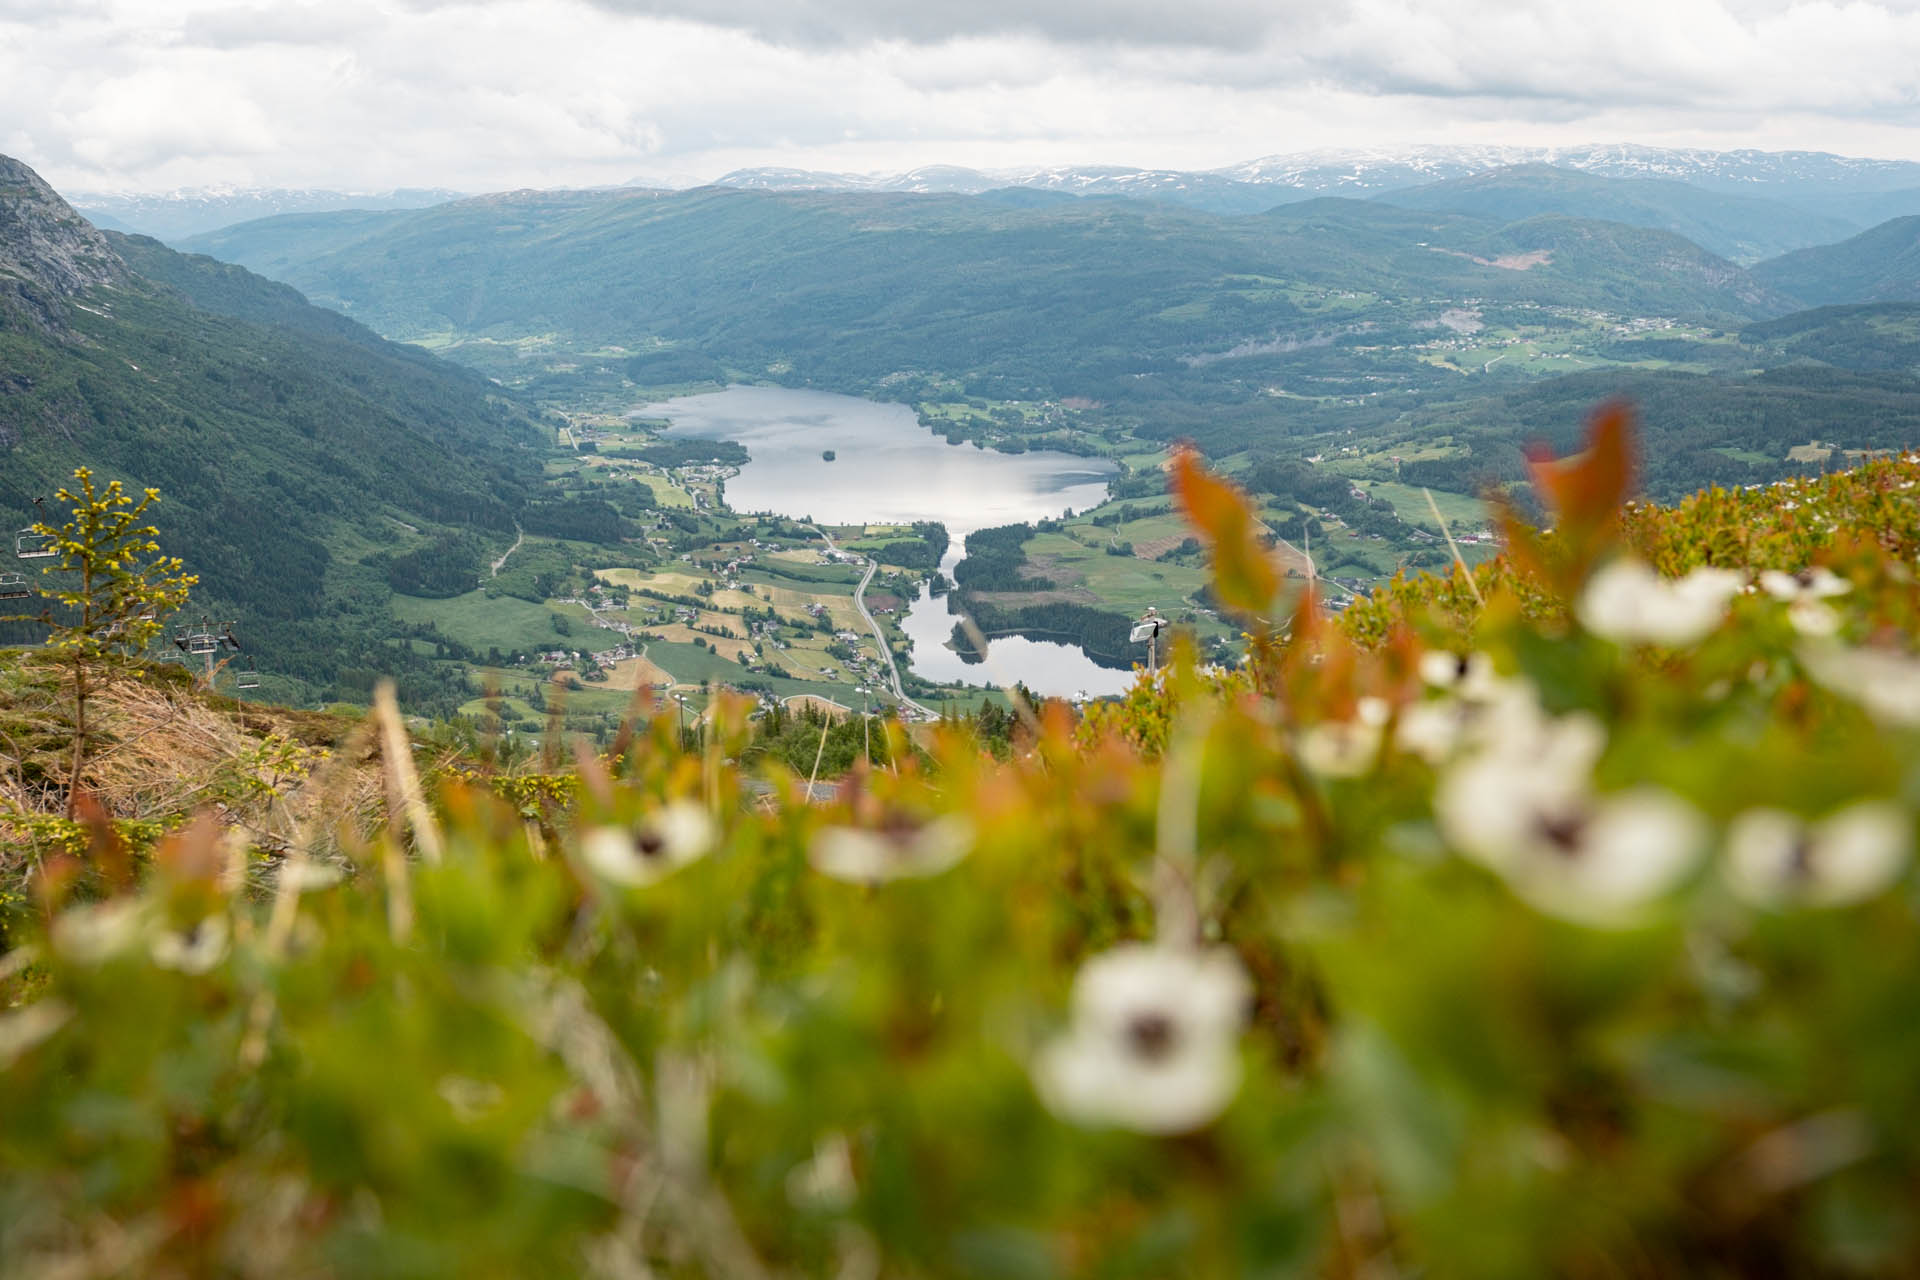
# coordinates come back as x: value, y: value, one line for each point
x: 888, y: 468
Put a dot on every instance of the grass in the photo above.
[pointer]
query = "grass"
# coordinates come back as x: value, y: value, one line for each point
x: 505, y: 623
x: 665, y: 492
x: 1461, y: 512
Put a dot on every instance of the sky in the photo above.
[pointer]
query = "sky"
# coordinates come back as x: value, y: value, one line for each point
x: 481, y: 95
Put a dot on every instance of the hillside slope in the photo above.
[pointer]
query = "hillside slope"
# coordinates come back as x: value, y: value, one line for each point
x: 279, y: 434
x: 1741, y: 228
x: 1881, y: 264
x: 850, y: 286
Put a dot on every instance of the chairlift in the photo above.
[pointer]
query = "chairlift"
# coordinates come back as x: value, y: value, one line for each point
x: 1147, y: 630
x: 29, y: 545
x: 14, y: 587
x: 198, y: 640
x: 248, y: 677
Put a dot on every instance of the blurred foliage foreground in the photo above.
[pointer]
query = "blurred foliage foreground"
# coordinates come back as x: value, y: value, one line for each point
x: 1556, y: 920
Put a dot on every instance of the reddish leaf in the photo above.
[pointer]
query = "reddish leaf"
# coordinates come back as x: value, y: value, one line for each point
x: 1243, y: 569
x: 1584, y: 492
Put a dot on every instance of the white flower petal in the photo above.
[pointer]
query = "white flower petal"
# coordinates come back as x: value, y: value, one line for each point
x: 1629, y: 603
x: 1209, y: 987
x: 1633, y: 847
x: 1154, y: 1041
x: 662, y: 842
x: 1775, y: 859
x: 867, y: 855
x: 1886, y: 684
x: 97, y: 932
x: 195, y: 950
x: 1083, y: 1079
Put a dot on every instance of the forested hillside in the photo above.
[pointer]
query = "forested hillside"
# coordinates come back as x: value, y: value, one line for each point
x: 288, y: 441
x: 1058, y: 300
x: 1881, y: 264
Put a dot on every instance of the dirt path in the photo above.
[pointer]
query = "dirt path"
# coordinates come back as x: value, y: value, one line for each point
x: 519, y: 536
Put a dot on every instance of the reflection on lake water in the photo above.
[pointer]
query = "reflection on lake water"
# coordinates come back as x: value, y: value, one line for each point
x: 888, y: 468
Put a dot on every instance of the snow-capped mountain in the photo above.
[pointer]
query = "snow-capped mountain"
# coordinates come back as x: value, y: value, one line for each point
x: 1838, y: 186
x: 175, y: 215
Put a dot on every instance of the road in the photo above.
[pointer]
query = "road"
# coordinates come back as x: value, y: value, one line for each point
x: 519, y: 536
x: 879, y: 636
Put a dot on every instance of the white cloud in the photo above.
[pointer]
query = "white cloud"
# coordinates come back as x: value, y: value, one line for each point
x: 486, y: 94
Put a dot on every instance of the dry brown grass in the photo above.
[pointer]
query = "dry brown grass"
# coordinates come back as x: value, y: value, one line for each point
x: 163, y: 749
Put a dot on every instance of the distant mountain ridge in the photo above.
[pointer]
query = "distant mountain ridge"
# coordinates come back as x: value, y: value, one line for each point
x: 1744, y: 229
x: 175, y: 215
x: 1792, y: 176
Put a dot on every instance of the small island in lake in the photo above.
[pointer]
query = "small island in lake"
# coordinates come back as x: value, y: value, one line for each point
x: 826, y: 455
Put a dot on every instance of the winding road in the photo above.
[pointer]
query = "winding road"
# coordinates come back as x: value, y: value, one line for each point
x: 879, y: 636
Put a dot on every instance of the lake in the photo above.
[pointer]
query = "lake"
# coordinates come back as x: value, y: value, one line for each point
x: 889, y: 469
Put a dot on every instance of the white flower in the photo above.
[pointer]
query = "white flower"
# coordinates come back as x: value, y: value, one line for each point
x: 1488, y: 710
x: 660, y: 843
x: 1470, y: 675
x: 867, y: 855
x: 1493, y: 805
x: 1817, y: 583
x: 307, y: 875
x: 1776, y: 859
x: 1153, y: 1044
x: 194, y: 950
x: 1803, y: 593
x: 1346, y: 748
x: 1629, y: 603
x: 1528, y: 811
x: 1887, y: 684
x: 97, y: 932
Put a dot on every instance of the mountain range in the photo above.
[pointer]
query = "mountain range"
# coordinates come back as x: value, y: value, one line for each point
x: 1849, y: 193
x: 848, y: 288
x: 1829, y: 195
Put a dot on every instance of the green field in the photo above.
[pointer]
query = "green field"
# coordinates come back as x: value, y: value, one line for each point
x: 1461, y: 513
x: 504, y: 622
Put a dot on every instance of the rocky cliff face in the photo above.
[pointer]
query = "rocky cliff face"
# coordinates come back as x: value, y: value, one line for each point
x: 47, y: 251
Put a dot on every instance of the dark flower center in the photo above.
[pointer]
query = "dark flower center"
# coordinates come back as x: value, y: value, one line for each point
x: 1563, y: 832
x: 1800, y: 859
x: 650, y: 843
x: 1152, y: 1036
x: 1460, y: 665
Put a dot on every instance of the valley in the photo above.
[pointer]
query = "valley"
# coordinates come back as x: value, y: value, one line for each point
x: 656, y: 524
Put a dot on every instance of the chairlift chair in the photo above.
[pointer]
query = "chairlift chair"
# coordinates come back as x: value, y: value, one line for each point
x: 197, y: 640
x: 28, y: 545
x: 14, y: 587
x: 248, y: 677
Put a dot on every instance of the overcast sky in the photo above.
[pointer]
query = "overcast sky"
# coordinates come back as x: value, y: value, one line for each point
x: 490, y: 94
